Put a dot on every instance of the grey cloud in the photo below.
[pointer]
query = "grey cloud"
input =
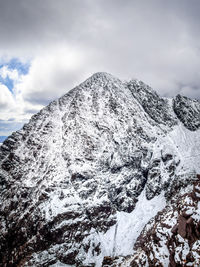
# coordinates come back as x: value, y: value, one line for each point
x: 4, y: 106
x: 156, y: 41
x: 33, y: 25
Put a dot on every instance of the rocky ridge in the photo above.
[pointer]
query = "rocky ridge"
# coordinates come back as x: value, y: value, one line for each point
x: 74, y: 180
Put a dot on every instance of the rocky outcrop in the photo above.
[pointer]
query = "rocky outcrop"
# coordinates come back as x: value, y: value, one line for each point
x: 71, y: 178
x: 188, y: 111
x: 158, y: 108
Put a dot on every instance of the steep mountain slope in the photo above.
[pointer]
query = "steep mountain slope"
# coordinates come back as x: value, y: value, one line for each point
x: 84, y: 176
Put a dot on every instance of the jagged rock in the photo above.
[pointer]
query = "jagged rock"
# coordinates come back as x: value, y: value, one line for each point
x: 157, y: 108
x: 188, y: 111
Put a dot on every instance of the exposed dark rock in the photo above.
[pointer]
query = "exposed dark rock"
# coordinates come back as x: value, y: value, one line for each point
x: 152, y: 103
x: 188, y: 111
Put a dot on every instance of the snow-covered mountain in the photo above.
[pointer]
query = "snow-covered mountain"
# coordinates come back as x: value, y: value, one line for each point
x: 81, y: 180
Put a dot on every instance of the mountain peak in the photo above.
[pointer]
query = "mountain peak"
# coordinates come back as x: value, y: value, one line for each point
x: 104, y: 75
x: 85, y: 175
x: 101, y: 79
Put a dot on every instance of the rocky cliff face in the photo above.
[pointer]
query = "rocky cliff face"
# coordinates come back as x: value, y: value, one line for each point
x: 188, y: 111
x: 81, y: 180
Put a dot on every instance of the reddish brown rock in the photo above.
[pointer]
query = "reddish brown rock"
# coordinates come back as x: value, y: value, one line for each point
x: 182, y: 226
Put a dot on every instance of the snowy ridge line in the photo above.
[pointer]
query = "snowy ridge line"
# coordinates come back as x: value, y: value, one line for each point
x: 186, y: 174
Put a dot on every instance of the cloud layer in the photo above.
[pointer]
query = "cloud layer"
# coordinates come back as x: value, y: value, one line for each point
x: 64, y: 42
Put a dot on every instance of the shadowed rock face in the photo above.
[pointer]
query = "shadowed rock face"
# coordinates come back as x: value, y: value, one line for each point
x: 156, y: 107
x: 83, y: 161
x: 188, y: 111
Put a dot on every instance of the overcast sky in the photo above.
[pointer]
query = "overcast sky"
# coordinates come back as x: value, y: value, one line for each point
x: 47, y: 47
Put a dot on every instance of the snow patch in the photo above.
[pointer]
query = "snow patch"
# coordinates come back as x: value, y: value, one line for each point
x: 121, y: 237
x: 186, y: 143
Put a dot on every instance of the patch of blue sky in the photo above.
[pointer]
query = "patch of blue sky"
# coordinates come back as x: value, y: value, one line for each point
x: 7, y: 127
x: 2, y: 138
x: 22, y: 68
x: 7, y: 82
x: 14, y: 64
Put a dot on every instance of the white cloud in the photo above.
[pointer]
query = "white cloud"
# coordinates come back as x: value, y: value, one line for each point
x: 6, y: 72
x: 50, y: 75
x: 13, y: 106
x: 7, y: 101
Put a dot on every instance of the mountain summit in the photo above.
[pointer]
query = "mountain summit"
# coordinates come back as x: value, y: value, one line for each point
x: 81, y: 180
